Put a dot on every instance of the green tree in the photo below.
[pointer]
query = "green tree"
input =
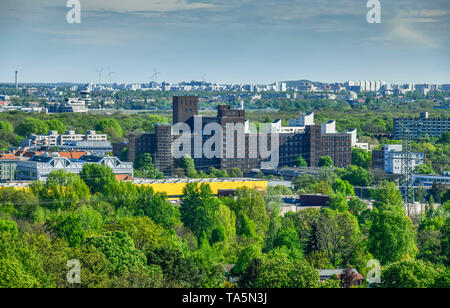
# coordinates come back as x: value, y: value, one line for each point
x: 119, y: 249
x: 63, y: 190
x: 110, y: 126
x: 31, y: 126
x: 97, y: 177
x: 158, y: 208
x: 338, y: 202
x: 303, y: 181
x: 236, y: 173
x: 338, y: 235
x: 146, y: 235
x: 423, y: 169
x: 8, y: 226
x: 444, y: 139
x: 387, y: 195
x: 144, y: 164
x: 187, y: 164
x: 198, y: 208
x: 279, y: 269
x: 226, y: 221
x: 301, y: 162
x: 326, y: 161
x: 437, y: 190
x: 445, y: 196
x: 321, y: 188
x: 251, y: 203
x: 362, y: 158
x: 91, y: 219
x: 7, y: 138
x: 13, y: 275
x: 411, y: 274
x: 245, y: 257
x: 56, y: 125
x: 357, y: 176
x: 6, y: 126
x: 179, y: 270
x: 68, y: 227
x: 287, y: 236
x: 23, y: 202
x: 20, y: 264
x: 343, y: 187
x: 391, y: 236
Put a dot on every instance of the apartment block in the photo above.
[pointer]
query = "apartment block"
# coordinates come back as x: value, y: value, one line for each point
x: 421, y: 126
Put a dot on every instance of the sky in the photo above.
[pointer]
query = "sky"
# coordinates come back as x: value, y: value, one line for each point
x: 225, y: 41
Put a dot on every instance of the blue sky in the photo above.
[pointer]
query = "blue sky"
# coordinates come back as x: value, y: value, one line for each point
x: 242, y: 41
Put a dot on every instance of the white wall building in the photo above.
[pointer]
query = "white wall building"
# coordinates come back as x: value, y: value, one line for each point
x: 393, y: 157
x: 55, y: 139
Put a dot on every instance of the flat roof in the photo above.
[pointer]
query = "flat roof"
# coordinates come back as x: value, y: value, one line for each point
x: 152, y: 181
x: 212, y: 180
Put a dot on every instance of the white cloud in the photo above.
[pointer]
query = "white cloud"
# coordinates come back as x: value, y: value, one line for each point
x: 403, y: 32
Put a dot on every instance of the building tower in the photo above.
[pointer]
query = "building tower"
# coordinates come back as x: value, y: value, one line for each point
x: 17, y: 85
x: 184, y: 108
x: 406, y: 165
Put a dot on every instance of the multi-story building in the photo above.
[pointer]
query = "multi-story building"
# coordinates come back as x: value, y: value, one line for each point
x: 98, y: 147
x: 390, y: 159
x: 8, y: 163
x: 428, y: 180
x: 158, y: 144
x: 184, y: 108
x: 90, y: 141
x: 39, y: 167
x: 421, y: 126
x: 70, y: 105
x: 302, y: 138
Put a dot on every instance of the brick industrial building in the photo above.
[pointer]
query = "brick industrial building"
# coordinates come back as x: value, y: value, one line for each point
x: 311, y: 141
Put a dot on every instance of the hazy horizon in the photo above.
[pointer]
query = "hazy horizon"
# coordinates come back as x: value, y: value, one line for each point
x: 225, y: 41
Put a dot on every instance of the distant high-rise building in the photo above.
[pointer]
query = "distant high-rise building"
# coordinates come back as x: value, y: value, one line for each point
x: 421, y: 126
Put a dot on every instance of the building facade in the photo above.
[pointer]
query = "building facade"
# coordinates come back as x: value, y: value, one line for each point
x: 38, y: 168
x: 390, y: 159
x: 421, y: 126
x: 303, y: 138
x: 158, y: 144
x: 428, y: 180
x: 8, y: 168
x: 184, y: 108
x: 55, y: 139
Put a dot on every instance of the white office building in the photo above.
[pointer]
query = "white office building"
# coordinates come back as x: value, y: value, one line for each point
x: 393, y: 157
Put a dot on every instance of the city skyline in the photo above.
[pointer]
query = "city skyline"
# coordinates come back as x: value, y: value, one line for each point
x: 250, y: 41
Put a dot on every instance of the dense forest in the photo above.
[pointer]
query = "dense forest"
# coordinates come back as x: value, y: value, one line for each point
x: 125, y: 235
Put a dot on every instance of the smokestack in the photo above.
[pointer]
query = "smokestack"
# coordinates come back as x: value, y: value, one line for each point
x: 17, y: 85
